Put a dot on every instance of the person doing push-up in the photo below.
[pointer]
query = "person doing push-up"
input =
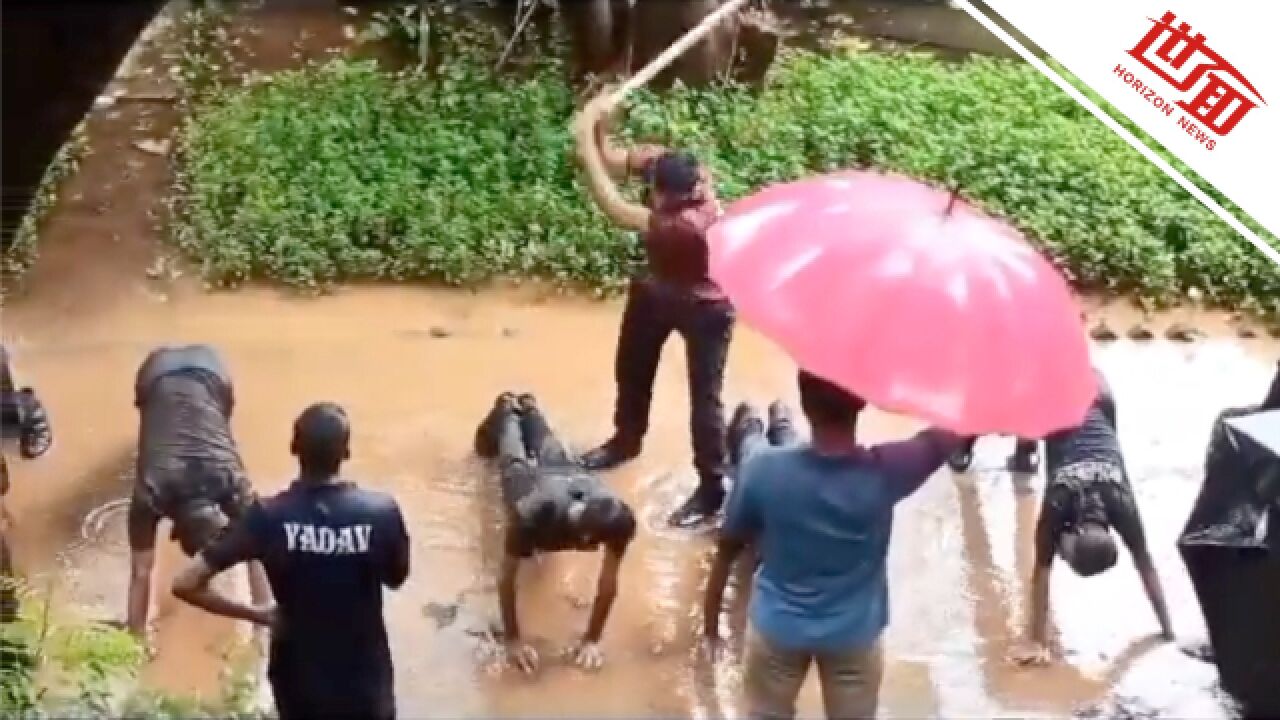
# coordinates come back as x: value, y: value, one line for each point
x: 552, y: 505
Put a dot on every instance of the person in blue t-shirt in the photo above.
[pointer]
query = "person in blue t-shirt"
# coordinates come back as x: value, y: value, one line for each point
x: 821, y: 515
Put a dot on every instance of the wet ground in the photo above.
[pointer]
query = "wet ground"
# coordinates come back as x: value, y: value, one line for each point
x: 416, y: 368
x: 959, y: 563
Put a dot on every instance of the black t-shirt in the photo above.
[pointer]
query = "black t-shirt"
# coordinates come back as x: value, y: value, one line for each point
x: 1095, y: 440
x: 539, y: 501
x: 1101, y: 494
x: 186, y: 452
x: 328, y: 550
x: 185, y: 399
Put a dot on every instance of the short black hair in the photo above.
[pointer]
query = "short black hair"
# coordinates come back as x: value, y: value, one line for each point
x: 826, y: 403
x: 1092, y: 550
x: 321, y: 437
x: 675, y: 173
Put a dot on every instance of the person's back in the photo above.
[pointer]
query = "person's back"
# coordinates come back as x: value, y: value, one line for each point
x: 824, y: 541
x: 329, y: 548
x: 327, y: 552
x: 822, y: 516
x: 184, y: 397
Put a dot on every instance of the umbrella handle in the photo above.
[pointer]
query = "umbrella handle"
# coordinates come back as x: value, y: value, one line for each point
x: 658, y: 64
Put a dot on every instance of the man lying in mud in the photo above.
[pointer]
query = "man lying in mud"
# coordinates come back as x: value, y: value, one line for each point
x: 188, y: 467
x: 552, y: 505
x: 1087, y: 494
x: 22, y: 413
x: 747, y: 435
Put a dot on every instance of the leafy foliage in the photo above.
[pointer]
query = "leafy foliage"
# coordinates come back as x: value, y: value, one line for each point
x: 57, y: 666
x: 51, y: 668
x: 459, y: 174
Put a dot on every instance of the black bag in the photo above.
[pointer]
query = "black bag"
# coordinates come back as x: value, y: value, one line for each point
x: 1231, y: 547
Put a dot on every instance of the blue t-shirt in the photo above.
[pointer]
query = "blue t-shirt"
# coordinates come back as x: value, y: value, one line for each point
x: 823, y: 524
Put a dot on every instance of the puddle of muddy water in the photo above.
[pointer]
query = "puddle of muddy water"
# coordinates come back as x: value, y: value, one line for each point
x: 959, y: 563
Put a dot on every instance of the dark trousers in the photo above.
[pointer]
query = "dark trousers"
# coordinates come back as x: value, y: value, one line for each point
x: 652, y: 313
x: 749, y: 443
x: 777, y: 436
x: 296, y: 706
x: 344, y: 690
x: 525, y: 440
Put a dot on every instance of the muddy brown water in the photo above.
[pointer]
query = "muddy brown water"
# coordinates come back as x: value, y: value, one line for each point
x: 104, y: 294
x: 959, y: 563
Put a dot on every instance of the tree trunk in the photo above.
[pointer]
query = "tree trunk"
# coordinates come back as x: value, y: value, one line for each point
x: 742, y: 47
x: 600, y: 36
x: 757, y: 40
x: 658, y: 23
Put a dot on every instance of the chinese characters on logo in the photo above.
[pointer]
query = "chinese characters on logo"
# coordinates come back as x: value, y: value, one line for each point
x: 1214, y: 93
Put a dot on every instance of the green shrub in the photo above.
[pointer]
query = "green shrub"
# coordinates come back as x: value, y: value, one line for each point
x: 54, y: 664
x: 458, y: 175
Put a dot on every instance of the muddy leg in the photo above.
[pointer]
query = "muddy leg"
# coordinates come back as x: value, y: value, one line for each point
x: 540, y: 442
x: 489, y: 431
x: 782, y: 429
x: 746, y: 434
x: 708, y: 332
x: 1025, y: 459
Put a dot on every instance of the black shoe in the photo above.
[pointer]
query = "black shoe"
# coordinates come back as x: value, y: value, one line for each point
x: 960, y: 460
x: 611, y: 454
x: 526, y: 403
x: 781, y: 424
x: 37, y: 433
x: 745, y: 421
x: 1023, y: 464
x: 702, y: 506
x: 486, y: 441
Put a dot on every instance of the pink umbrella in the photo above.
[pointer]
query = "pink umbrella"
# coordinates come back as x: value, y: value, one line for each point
x: 910, y: 298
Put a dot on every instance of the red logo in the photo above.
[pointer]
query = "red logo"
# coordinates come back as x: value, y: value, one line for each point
x: 1222, y: 94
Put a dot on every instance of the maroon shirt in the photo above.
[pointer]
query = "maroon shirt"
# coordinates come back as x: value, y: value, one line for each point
x: 676, y: 242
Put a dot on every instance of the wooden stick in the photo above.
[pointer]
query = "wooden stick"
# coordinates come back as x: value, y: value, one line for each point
x: 656, y: 65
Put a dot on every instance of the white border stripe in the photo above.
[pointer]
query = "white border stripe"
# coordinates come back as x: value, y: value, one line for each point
x: 1120, y: 130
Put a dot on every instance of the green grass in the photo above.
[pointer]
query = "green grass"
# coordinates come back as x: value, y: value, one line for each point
x: 55, y: 664
x: 347, y: 172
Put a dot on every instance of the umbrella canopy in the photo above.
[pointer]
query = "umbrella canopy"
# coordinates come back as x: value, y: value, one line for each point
x: 914, y: 300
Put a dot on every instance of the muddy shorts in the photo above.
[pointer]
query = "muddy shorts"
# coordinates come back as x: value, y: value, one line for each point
x: 173, y: 492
